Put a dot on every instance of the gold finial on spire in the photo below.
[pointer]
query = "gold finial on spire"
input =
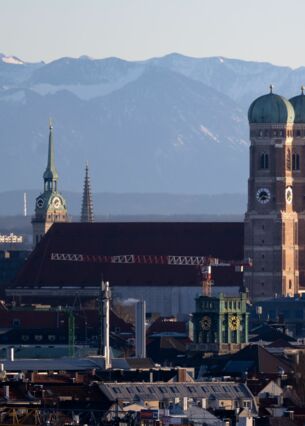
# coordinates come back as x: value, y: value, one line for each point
x: 302, y: 89
x: 50, y: 123
x: 271, y: 88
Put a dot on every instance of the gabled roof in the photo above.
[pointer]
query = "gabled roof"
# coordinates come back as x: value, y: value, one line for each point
x: 257, y: 386
x: 280, y: 343
x: 161, y: 391
x: 221, y: 240
x: 267, y: 333
x: 256, y: 359
x: 167, y: 325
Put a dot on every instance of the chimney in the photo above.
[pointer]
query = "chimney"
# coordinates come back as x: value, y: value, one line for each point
x: 184, y: 403
x: 181, y: 375
x: 6, y: 392
x: 140, y: 329
x: 11, y: 354
x: 203, y: 403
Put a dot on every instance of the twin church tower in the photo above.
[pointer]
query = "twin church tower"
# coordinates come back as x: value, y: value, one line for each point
x: 275, y: 219
x: 50, y: 205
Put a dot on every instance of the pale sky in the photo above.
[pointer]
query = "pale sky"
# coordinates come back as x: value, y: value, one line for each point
x: 260, y: 30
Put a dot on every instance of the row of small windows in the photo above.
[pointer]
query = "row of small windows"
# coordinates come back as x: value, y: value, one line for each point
x: 292, y: 161
x: 277, y: 133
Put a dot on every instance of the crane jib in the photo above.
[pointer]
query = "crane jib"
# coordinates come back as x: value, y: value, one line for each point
x: 142, y: 259
x: 136, y: 258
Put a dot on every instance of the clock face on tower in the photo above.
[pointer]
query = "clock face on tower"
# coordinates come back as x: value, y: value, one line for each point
x: 263, y: 195
x: 206, y: 323
x: 56, y: 202
x: 234, y: 323
x: 40, y: 203
x: 288, y: 194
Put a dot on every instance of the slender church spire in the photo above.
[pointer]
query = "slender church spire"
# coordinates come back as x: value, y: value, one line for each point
x: 87, y: 205
x: 50, y: 175
x: 50, y: 206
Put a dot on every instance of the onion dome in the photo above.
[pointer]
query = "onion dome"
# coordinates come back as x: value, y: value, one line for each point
x: 271, y: 109
x: 298, y: 103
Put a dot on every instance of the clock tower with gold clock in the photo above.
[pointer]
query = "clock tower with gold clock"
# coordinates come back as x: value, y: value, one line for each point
x: 50, y: 205
x: 220, y: 324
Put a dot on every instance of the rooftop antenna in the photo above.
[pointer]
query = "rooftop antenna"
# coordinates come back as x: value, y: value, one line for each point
x: 24, y: 205
x: 271, y: 87
x: 302, y: 89
x: 50, y: 123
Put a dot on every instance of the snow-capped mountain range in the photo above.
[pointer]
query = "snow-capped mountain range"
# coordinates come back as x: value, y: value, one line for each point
x: 172, y: 124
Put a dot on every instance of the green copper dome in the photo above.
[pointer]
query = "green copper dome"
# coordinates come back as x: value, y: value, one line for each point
x: 298, y: 103
x: 271, y: 108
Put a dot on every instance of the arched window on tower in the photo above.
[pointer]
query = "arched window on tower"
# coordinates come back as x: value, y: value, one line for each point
x: 288, y: 160
x: 295, y: 162
x: 264, y: 161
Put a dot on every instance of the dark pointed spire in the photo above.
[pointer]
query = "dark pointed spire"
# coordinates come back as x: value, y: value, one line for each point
x: 50, y: 174
x: 87, y: 205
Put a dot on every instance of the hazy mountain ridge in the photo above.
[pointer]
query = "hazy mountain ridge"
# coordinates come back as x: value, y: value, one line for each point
x: 133, y: 204
x: 173, y: 124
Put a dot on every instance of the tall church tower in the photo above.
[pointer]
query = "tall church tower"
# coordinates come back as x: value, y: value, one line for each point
x: 50, y: 206
x: 87, y: 204
x: 275, y: 218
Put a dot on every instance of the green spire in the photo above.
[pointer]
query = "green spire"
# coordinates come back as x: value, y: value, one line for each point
x: 50, y: 175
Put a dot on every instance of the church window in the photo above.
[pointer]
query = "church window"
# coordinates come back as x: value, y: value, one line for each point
x: 295, y: 162
x: 274, y: 132
x: 288, y: 160
x: 280, y: 132
x: 260, y: 133
x: 264, y: 161
x: 266, y: 133
x: 290, y: 284
x: 298, y: 133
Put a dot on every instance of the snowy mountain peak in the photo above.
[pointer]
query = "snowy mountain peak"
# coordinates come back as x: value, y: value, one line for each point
x: 11, y: 60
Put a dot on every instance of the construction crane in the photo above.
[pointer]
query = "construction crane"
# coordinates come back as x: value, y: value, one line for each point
x: 204, y: 263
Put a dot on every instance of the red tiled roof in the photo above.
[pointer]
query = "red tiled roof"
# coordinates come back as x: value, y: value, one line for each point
x: 222, y: 240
